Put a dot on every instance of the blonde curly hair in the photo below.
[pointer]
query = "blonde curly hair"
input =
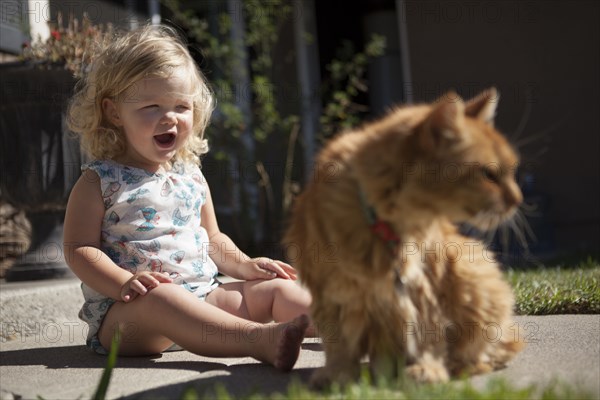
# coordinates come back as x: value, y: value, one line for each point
x: 149, y: 51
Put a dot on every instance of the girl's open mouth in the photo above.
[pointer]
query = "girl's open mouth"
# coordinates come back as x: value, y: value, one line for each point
x: 165, y: 140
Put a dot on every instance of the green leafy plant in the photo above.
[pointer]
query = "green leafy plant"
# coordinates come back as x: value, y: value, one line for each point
x: 69, y: 46
x: 347, y: 82
x: 250, y: 114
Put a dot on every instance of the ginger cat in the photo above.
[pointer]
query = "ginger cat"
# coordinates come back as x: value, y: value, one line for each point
x: 374, y: 238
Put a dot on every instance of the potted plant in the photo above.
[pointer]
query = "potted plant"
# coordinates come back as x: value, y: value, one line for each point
x: 39, y: 159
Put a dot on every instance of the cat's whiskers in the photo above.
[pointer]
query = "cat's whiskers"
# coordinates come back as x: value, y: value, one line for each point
x: 543, y: 150
x: 516, y: 223
x: 534, y: 137
x: 494, y: 221
x: 485, y: 223
x: 521, y: 228
x: 491, y: 225
x: 505, y: 234
x: 524, y: 118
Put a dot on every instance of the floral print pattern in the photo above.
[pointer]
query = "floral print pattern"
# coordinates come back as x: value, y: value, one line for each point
x: 152, y: 223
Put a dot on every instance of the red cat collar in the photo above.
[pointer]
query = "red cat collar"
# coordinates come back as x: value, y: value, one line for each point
x: 379, y: 227
x: 385, y: 232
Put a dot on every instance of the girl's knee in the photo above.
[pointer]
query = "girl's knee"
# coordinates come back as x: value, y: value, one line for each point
x: 164, y: 293
x: 276, y: 285
x: 290, y: 285
x: 285, y: 283
x: 284, y: 288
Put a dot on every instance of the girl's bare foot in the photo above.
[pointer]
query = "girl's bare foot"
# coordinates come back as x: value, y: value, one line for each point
x: 289, y: 338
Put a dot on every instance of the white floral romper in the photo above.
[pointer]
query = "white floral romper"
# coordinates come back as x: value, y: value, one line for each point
x: 151, y: 223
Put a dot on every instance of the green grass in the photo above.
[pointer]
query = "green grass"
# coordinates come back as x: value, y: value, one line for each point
x: 111, y: 361
x: 365, y: 390
x: 557, y: 290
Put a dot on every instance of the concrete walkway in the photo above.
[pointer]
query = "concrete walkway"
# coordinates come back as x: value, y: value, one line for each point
x: 42, y: 353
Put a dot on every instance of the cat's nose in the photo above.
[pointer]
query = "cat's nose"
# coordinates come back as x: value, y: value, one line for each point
x: 512, y: 196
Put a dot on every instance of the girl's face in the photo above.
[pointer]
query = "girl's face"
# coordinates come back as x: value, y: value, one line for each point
x: 156, y: 117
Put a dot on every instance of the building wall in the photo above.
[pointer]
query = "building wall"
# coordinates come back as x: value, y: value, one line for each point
x: 543, y: 56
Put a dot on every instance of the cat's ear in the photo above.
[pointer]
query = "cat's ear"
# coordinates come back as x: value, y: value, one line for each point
x: 483, y: 106
x: 444, y: 123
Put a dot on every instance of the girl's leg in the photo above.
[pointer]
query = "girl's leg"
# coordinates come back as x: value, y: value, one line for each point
x: 169, y: 313
x: 278, y: 300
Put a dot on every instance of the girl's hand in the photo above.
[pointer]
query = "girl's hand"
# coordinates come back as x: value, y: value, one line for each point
x: 141, y: 282
x: 266, y: 268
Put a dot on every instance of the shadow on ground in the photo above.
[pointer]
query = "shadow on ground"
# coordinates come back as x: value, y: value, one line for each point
x: 242, y: 381
x: 237, y: 380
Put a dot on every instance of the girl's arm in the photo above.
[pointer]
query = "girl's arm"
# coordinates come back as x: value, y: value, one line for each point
x: 231, y: 260
x: 82, y: 230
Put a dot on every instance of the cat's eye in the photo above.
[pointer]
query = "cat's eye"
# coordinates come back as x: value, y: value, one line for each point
x: 490, y: 174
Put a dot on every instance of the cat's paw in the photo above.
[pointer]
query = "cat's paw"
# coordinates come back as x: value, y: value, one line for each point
x: 430, y: 372
x: 320, y: 379
x: 323, y: 378
x: 463, y: 370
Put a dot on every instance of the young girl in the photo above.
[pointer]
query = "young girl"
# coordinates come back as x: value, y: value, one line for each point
x: 140, y: 228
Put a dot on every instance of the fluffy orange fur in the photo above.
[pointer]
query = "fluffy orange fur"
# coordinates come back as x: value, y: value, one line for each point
x: 436, y: 302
